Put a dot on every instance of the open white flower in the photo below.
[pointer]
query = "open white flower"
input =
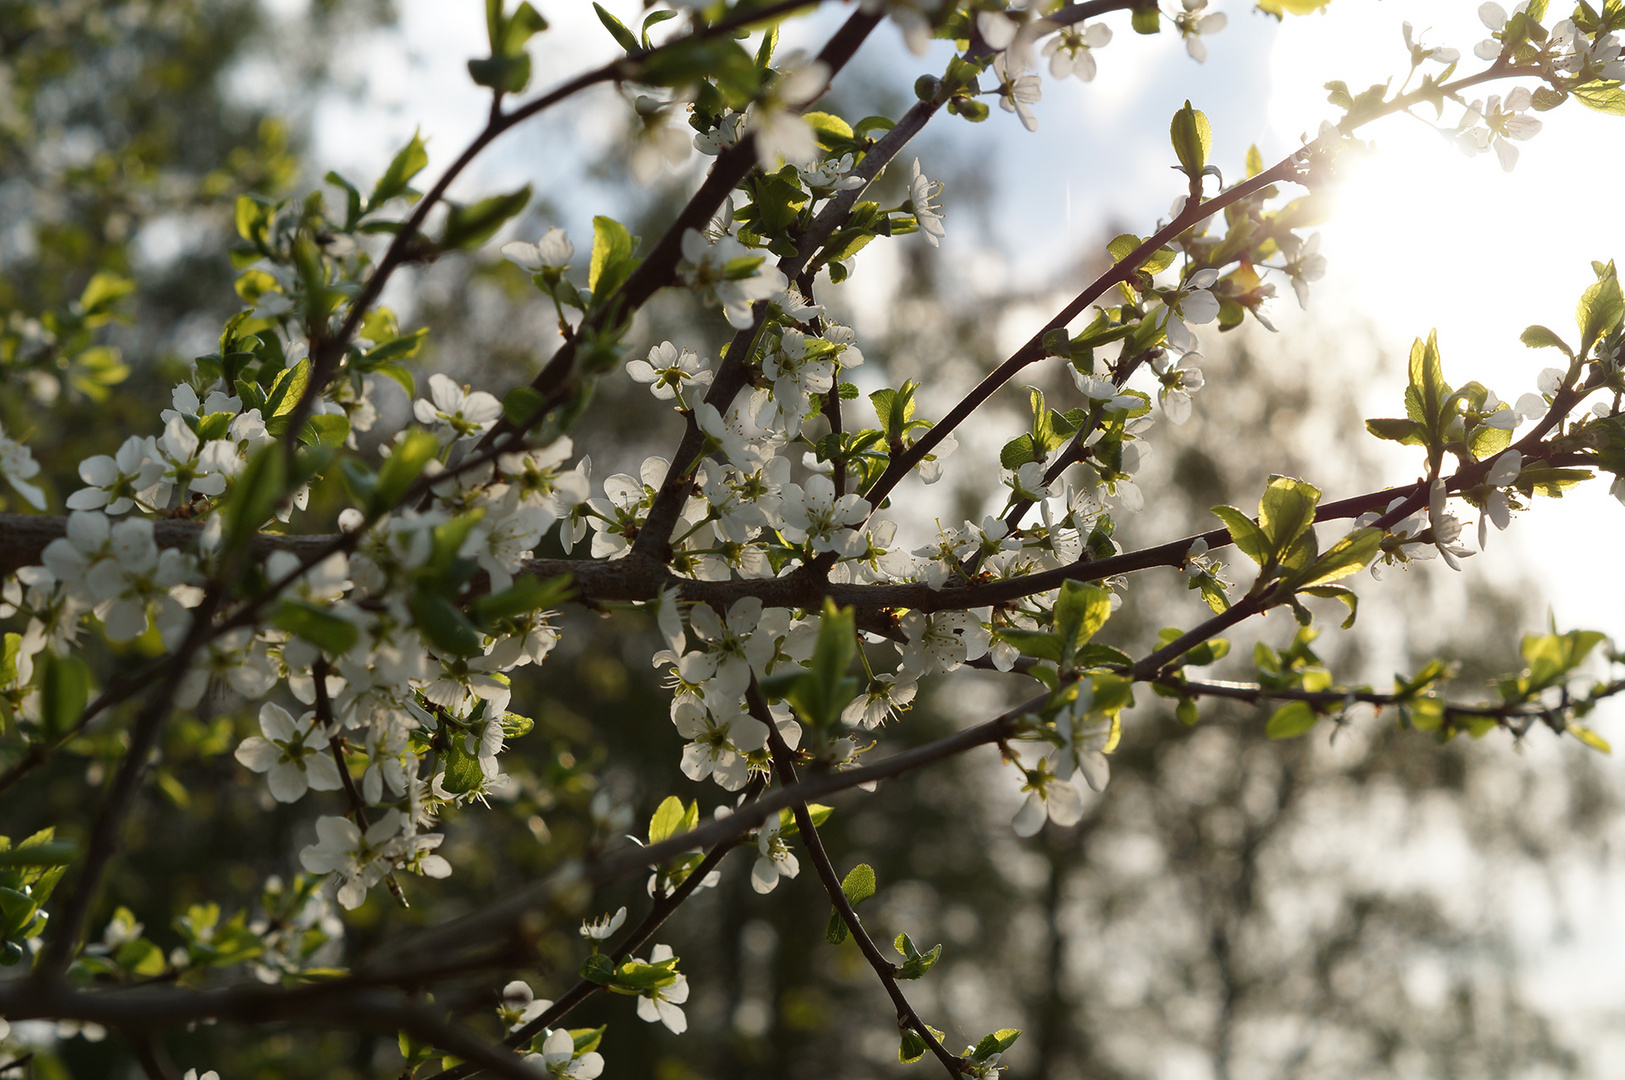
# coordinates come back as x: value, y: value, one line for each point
x: 464, y: 414
x: 559, y: 1058
x: 728, y: 273
x: 1179, y: 380
x: 660, y: 1005
x: 553, y: 250
x: 669, y: 372
x: 1497, y: 508
x: 520, y: 1005
x: 1494, y: 123
x: 1050, y: 798
x: 1192, y: 24
x: 359, y: 859
x: 921, y: 190
x: 603, y: 928
x: 1071, y: 50
x: 782, y: 133
x: 17, y: 464
x: 1018, y: 91
x: 776, y: 859
x: 294, y: 754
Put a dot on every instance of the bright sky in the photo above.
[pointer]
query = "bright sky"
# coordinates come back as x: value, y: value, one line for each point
x: 1425, y: 238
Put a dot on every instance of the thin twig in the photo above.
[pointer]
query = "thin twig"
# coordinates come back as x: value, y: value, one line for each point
x: 784, y: 767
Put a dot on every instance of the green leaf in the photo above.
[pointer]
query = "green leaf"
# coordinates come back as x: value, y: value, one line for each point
x: 611, y: 250
x: 1291, y: 720
x: 471, y: 226
x: 525, y: 595
x: 1254, y: 163
x: 1603, y: 95
x: 858, y: 886
x: 598, y: 969
x: 64, y: 688
x: 102, y: 291
x: 323, y: 629
x: 56, y: 853
x: 255, y: 495
x: 1147, y: 20
x: 462, y: 767
x: 402, y: 468
x: 1286, y: 511
x: 1408, y: 432
x: 1539, y: 337
x: 402, y: 347
x: 915, y: 963
x: 504, y: 74
x: 617, y: 29
x: 996, y: 1043
x: 1192, y: 138
x: 1347, y: 596
x: 520, y: 404
x: 822, y: 692
x: 1601, y: 307
x: 1037, y: 643
x: 1348, y: 556
x: 669, y: 819
x: 1579, y: 731
x: 286, y: 390
x: 1427, y: 395
x: 1080, y: 611
x: 412, y: 159
x: 721, y: 60
x: 328, y: 430
x: 1017, y: 452
x: 1245, y: 534
x: 443, y: 625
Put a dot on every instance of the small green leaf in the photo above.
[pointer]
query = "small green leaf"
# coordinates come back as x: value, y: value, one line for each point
x: 617, y: 29
x: 1080, y: 611
x: 611, y: 248
x: 996, y: 1043
x: 859, y: 884
x: 1600, y: 309
x: 1539, y: 337
x: 1291, y: 720
x: 255, y: 495
x: 323, y: 629
x: 520, y: 404
x: 1347, y: 596
x: 1286, y: 511
x: 1245, y: 534
x: 443, y: 625
x: 598, y: 969
x: 1147, y: 20
x: 471, y: 226
x: 55, y: 853
x: 1400, y: 431
x: 463, y: 772
x: 64, y: 688
x: 1192, y: 138
x: 1579, y: 731
x: 402, y: 468
x: 412, y: 159
x: 1348, y: 556
x: 667, y: 820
